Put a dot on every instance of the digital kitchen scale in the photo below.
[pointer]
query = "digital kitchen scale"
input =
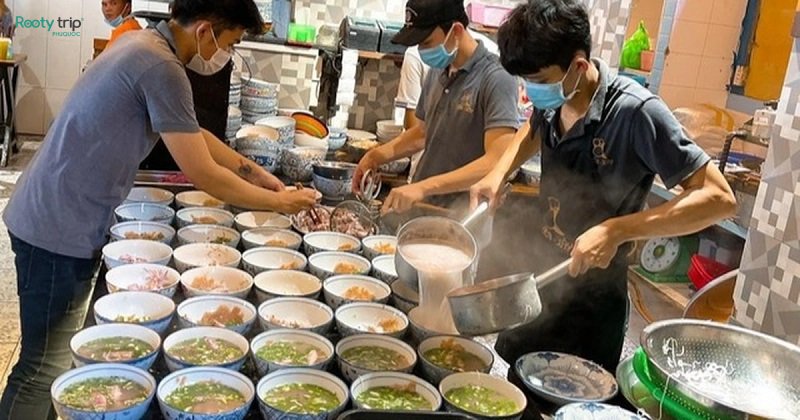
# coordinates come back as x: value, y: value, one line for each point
x: 667, y: 260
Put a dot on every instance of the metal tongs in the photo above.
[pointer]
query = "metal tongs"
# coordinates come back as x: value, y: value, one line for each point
x: 371, y: 184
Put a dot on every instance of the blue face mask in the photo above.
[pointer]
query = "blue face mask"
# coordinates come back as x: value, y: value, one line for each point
x: 438, y: 57
x: 550, y: 95
x: 115, y: 22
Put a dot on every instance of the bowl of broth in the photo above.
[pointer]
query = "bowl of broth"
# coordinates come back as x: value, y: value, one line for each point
x: 197, y: 199
x: 443, y: 356
x: 203, y: 216
x: 377, y: 245
x: 260, y: 219
x: 136, y: 251
x: 229, y: 312
x: 316, y: 242
x: 383, y: 268
x: 205, y: 346
x: 370, y: 318
x: 205, y: 393
x: 149, y: 310
x: 359, y: 355
x: 103, y: 390
x: 295, y: 313
x: 348, y: 288
x: 151, y: 231
x: 224, y: 281
x: 209, y: 234
x: 115, y: 343
x: 143, y: 278
x: 144, y: 212
x: 286, y: 283
x: 482, y: 396
x: 394, y: 391
x: 272, y: 238
x: 329, y: 264
x: 303, y: 394
x: 281, y: 349
x: 192, y: 256
x: 259, y: 260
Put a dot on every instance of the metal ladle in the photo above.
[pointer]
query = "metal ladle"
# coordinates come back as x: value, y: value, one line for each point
x: 503, y: 303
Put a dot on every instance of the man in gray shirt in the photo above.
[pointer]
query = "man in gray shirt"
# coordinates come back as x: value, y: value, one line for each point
x: 468, y: 110
x: 59, y: 216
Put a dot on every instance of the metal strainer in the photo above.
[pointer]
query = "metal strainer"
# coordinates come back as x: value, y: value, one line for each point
x: 734, y: 372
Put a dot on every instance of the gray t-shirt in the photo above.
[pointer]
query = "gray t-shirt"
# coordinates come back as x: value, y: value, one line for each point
x: 64, y: 202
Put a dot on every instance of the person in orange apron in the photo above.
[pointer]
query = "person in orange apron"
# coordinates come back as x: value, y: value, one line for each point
x: 117, y: 14
x: 603, y: 140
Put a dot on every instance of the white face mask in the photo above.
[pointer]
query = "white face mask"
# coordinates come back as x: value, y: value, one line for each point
x: 204, y: 67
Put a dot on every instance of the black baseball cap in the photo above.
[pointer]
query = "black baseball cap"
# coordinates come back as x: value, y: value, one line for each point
x: 424, y: 16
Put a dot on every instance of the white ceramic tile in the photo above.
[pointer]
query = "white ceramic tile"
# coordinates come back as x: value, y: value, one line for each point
x: 53, y: 102
x: 30, y: 110
x: 722, y: 41
x: 34, y: 70
x: 716, y: 97
x: 728, y: 12
x: 681, y: 70
x: 695, y: 10
x: 676, y: 96
x: 688, y: 37
x: 714, y: 73
x: 63, y: 62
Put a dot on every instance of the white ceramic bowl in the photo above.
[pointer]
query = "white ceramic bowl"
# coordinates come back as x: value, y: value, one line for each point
x: 180, y: 336
x: 205, y: 255
x: 271, y: 237
x: 295, y: 313
x: 434, y: 373
x: 258, y: 219
x: 238, y: 282
x: 136, y: 251
x: 296, y: 163
x: 199, y: 234
x: 258, y: 260
x: 150, y: 195
x: 383, y: 268
x: 351, y: 372
x: 197, y: 199
x: 98, y: 332
x: 133, y: 278
x: 190, y: 376
x: 323, y: 264
x: 335, y: 289
x: 144, y: 212
x: 286, y: 283
x: 499, y: 385
x: 301, y: 376
x: 302, y: 139
x: 370, y: 244
x: 191, y: 311
x: 265, y: 367
x: 142, y: 230
x: 365, y: 318
x: 103, y: 370
x: 420, y: 332
x: 157, y: 309
x: 394, y: 379
x: 316, y: 242
x: 204, y: 216
x: 403, y: 297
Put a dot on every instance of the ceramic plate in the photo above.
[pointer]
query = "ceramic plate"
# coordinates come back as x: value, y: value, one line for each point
x: 563, y: 378
x: 594, y: 411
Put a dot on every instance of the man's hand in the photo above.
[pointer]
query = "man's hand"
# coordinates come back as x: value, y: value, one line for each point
x: 291, y: 202
x: 403, y: 199
x: 491, y: 188
x: 367, y: 163
x: 594, y: 249
x: 259, y: 176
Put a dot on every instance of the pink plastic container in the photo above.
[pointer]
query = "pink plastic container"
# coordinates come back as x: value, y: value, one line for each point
x: 487, y: 14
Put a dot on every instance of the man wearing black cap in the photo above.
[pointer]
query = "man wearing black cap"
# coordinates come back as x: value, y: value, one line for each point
x: 468, y: 111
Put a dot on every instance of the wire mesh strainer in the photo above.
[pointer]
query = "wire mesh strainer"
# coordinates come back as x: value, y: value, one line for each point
x: 354, y: 218
x: 734, y: 372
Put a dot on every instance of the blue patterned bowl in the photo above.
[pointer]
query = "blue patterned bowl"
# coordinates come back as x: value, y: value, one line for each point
x: 335, y: 289
x: 158, y: 310
x: 394, y: 379
x: 98, y: 332
x: 257, y: 87
x: 383, y: 268
x: 191, y: 311
x: 286, y: 283
x: 266, y: 367
x: 297, y: 163
x: 316, y: 242
x: 256, y: 104
x: 192, y: 256
x: 194, y: 375
x: 295, y: 313
x: 136, y: 251
x: 499, y: 385
x: 594, y: 411
x: 563, y: 379
x: 403, y: 298
x: 271, y: 237
x: 103, y: 370
x: 142, y: 230
x: 371, y: 245
x: 364, y: 318
x: 435, y: 373
x: 237, y: 282
x: 285, y: 127
x: 301, y: 376
x: 247, y: 220
x: 133, y: 277
x: 260, y: 144
x: 175, y: 364
x: 352, y: 372
x: 196, y: 198
x: 324, y: 264
x: 396, y: 167
x: 333, y: 189
x: 259, y: 260
x: 150, y: 195
x: 144, y: 212
x: 194, y: 234
x: 204, y: 216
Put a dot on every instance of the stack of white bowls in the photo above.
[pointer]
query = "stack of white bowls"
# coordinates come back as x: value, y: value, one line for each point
x: 388, y: 130
x: 259, y: 100
x: 233, y: 125
x: 235, y: 93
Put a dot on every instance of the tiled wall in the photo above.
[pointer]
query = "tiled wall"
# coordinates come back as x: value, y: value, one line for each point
x: 609, y: 21
x: 295, y: 72
x: 705, y: 35
x: 767, y: 295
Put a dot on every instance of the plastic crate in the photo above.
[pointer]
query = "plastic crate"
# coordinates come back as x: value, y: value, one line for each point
x: 490, y: 15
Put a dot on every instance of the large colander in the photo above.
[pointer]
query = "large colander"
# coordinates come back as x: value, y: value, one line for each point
x: 734, y: 372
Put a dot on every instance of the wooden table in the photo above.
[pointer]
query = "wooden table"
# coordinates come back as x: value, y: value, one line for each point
x: 9, y: 77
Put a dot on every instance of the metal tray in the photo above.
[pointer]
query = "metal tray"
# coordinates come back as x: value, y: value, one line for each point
x: 401, y: 415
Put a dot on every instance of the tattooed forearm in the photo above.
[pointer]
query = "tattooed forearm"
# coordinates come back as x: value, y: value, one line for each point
x: 245, y: 169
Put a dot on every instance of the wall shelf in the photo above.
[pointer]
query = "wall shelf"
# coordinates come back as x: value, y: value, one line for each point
x: 374, y: 55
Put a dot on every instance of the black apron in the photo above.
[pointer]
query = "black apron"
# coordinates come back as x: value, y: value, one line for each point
x: 584, y: 316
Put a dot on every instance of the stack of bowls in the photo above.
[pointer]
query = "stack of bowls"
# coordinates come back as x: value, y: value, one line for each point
x: 234, y: 124
x: 296, y: 163
x: 259, y: 100
x: 334, y: 179
x: 285, y: 127
x: 260, y: 144
x: 388, y: 130
x: 310, y: 131
x: 235, y: 93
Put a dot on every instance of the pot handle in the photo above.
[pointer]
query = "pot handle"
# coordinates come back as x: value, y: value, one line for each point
x: 553, y: 274
x: 475, y: 213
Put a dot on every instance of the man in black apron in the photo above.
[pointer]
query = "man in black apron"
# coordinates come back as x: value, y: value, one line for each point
x: 603, y: 140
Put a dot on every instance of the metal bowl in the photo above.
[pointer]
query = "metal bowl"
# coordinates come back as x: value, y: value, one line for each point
x: 335, y: 170
x: 714, y: 302
x: 733, y: 371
